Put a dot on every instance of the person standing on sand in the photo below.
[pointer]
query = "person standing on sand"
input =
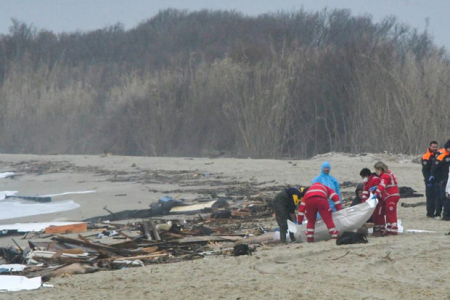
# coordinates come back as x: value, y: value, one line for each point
x: 316, y: 200
x: 284, y: 206
x: 447, y: 188
x: 439, y: 178
x: 430, y: 188
x: 388, y: 194
x: 326, y: 179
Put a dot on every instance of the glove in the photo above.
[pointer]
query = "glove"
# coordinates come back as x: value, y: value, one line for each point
x: 374, y: 197
x: 431, y: 179
x: 296, y: 222
x: 373, y: 189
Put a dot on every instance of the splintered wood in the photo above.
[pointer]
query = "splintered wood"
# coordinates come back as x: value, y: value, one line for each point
x: 160, y: 239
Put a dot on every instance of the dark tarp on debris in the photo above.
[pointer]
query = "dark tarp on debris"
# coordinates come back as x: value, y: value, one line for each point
x: 162, y: 207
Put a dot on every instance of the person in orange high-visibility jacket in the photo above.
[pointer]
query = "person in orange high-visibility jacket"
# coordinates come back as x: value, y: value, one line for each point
x: 439, y: 177
x: 388, y: 195
x: 433, y: 210
x: 316, y: 200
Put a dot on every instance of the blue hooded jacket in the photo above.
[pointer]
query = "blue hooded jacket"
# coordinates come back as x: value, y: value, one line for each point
x: 329, y: 181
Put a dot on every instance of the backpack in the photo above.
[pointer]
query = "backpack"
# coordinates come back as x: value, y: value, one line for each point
x: 351, y: 238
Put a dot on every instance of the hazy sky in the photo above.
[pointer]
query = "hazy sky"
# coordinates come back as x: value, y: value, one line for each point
x: 72, y: 15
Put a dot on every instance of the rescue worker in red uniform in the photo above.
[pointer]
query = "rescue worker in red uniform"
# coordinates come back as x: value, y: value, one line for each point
x: 430, y: 188
x: 439, y: 177
x: 370, y: 180
x: 316, y: 200
x: 388, y: 194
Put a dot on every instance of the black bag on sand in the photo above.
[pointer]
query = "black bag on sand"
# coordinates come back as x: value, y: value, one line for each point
x: 351, y: 238
x: 241, y: 249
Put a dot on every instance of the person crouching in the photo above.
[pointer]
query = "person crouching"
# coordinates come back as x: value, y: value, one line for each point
x: 316, y: 200
x: 284, y: 206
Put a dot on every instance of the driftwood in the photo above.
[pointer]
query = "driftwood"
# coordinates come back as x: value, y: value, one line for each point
x: 413, y: 204
x: 145, y: 227
x: 31, y: 198
x: 199, y: 239
x: 109, y: 251
x: 141, y: 257
x: 154, y: 230
x: 68, y: 269
x: 152, y: 236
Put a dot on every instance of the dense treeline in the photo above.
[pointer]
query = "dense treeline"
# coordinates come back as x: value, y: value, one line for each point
x: 285, y: 84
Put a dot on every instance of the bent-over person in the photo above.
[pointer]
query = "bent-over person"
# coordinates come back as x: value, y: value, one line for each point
x: 284, y: 206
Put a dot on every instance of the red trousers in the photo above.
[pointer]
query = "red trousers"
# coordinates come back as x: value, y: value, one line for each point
x: 314, y: 205
x: 385, y: 216
x: 378, y: 217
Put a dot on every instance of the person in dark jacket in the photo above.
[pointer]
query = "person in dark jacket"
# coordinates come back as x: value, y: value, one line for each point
x: 358, y: 195
x: 430, y: 189
x: 359, y: 198
x: 284, y: 206
x: 439, y: 177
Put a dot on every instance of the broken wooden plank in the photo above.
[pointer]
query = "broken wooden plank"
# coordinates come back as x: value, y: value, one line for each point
x: 192, y: 208
x: 124, y: 245
x: 72, y: 228
x: 154, y: 230
x: 143, y: 257
x: 59, y: 253
x: 150, y: 249
x: 124, y: 234
x: 199, y: 239
x: 173, y: 235
x: 241, y: 213
x: 107, y: 250
x: 413, y: 204
x: 146, y: 227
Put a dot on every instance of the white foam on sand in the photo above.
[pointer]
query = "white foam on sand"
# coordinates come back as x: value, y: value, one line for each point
x: 28, y: 227
x: 15, y: 209
x: 12, y: 283
x: 3, y: 194
x: 6, y: 174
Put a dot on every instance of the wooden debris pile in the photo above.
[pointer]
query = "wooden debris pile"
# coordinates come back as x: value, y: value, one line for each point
x: 90, y: 247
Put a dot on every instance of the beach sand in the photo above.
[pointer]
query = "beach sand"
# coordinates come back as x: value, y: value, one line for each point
x: 408, y: 266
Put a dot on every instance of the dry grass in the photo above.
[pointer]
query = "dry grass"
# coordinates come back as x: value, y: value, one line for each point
x: 294, y: 104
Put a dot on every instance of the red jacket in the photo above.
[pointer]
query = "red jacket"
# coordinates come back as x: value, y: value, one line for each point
x: 388, y: 186
x: 374, y: 180
x: 321, y: 191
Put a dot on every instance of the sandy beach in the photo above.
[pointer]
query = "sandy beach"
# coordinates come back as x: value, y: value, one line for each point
x: 408, y: 266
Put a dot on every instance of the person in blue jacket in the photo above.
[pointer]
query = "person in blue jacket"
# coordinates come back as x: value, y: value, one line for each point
x: 328, y: 180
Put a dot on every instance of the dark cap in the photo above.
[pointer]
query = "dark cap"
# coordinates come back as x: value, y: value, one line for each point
x: 447, y: 145
x: 365, y: 172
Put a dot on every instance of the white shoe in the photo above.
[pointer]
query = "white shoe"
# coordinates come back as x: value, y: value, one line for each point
x: 437, y: 218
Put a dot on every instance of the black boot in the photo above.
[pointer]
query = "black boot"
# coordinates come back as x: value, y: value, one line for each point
x: 291, y: 235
